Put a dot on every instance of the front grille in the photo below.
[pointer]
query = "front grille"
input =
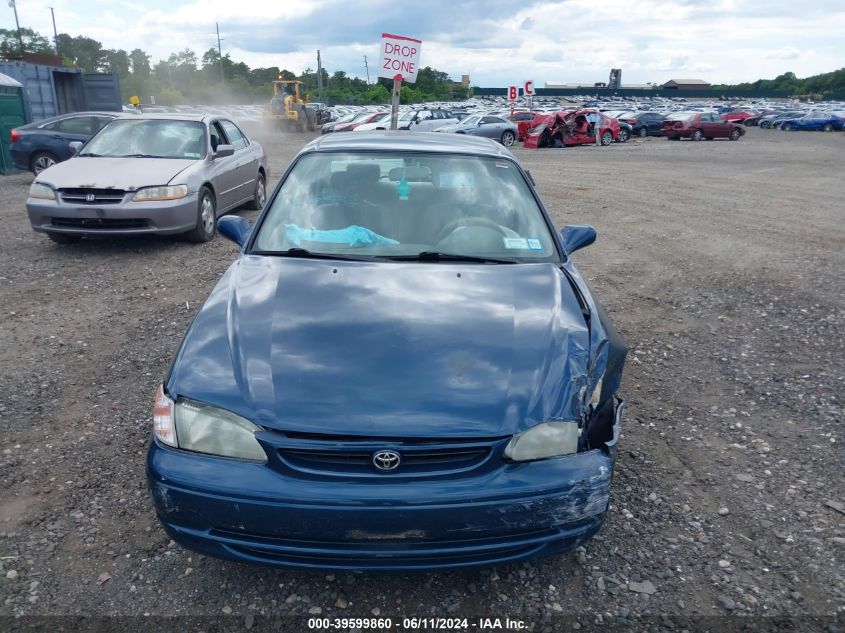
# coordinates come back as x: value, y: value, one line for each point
x: 362, y: 461
x: 345, y: 456
x: 100, y: 223
x: 87, y: 195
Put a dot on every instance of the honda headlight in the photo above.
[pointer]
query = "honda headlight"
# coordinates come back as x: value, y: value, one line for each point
x: 150, y: 194
x: 548, y: 439
x: 43, y: 192
x: 198, y: 427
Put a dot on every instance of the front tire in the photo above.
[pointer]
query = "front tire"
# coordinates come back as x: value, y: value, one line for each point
x: 697, y: 135
x: 643, y: 132
x: 606, y: 138
x: 827, y: 128
x: 786, y: 127
x: 508, y: 138
x: 735, y: 134
x: 260, y: 195
x: 624, y: 135
x: 41, y: 161
x: 206, y: 218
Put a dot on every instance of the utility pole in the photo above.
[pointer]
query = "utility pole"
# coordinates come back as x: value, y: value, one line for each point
x: 55, y: 33
x: 319, y: 78
x: 220, y: 53
x: 17, y: 24
x: 368, y: 69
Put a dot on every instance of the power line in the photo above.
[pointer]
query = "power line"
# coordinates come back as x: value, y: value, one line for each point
x: 368, y: 69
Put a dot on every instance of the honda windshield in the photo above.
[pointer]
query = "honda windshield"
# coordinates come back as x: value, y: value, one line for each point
x: 149, y: 138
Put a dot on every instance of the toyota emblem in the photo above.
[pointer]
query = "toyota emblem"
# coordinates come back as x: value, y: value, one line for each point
x: 386, y: 460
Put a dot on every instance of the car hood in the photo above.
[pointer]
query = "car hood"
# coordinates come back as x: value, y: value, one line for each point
x: 128, y: 174
x: 388, y: 349
x: 455, y: 127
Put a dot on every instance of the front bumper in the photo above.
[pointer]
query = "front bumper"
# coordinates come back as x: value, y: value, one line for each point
x: 252, y: 513
x: 163, y: 217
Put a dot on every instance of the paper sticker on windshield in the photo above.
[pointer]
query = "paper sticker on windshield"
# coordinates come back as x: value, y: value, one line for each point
x: 516, y: 242
x: 192, y: 155
x: 503, y: 164
x: 534, y: 244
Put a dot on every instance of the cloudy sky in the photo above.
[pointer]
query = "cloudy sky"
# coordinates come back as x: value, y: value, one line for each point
x: 498, y: 42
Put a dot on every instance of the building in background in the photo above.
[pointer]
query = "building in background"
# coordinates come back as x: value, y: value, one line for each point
x: 687, y: 84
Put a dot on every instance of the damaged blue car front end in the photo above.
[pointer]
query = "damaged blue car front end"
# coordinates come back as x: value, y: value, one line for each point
x: 375, y: 413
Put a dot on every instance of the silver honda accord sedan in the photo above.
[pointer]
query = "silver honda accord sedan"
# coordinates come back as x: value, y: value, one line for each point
x: 157, y: 173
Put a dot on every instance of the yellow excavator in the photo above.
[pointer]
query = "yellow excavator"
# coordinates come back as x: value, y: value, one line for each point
x: 288, y: 108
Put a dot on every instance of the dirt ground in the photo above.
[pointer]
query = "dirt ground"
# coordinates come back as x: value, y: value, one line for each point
x: 722, y: 265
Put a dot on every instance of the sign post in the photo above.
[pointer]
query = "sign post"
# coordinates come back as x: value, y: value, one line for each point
x: 400, y: 61
x: 528, y: 91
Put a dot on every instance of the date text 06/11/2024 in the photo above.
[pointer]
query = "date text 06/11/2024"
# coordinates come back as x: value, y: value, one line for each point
x: 417, y: 624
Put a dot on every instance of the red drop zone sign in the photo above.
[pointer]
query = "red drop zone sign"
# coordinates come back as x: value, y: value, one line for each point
x: 400, y: 57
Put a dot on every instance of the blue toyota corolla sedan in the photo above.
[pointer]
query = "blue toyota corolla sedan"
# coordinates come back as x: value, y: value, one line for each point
x: 402, y: 370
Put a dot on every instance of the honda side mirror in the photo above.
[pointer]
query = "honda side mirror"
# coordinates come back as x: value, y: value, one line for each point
x: 223, y: 151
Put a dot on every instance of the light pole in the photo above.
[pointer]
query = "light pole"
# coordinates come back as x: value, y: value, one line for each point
x: 220, y: 53
x: 55, y: 33
x: 17, y: 24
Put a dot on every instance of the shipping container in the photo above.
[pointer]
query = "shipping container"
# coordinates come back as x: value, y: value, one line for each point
x: 53, y: 90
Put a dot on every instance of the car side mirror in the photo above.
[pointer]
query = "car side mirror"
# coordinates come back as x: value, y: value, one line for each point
x: 234, y: 228
x: 223, y: 151
x: 75, y: 146
x: 577, y: 236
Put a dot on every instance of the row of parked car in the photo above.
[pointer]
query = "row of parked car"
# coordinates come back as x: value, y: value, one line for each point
x: 559, y: 128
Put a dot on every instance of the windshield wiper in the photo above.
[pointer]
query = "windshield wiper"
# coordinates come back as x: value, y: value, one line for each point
x: 305, y: 253
x: 141, y: 156
x: 90, y: 154
x: 436, y: 256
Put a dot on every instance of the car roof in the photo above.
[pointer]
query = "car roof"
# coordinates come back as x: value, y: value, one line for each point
x: 404, y: 141
x: 172, y: 116
x: 70, y: 115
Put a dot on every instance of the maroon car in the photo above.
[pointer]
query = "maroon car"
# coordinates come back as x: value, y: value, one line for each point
x: 699, y: 125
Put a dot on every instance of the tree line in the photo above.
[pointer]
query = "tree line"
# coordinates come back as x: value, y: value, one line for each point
x: 184, y: 77
x: 819, y: 86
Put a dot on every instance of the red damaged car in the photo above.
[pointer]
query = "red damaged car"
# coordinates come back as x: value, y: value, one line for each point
x: 699, y: 125
x: 524, y: 121
x: 572, y: 127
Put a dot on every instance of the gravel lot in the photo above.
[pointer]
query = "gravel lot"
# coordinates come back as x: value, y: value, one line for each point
x: 722, y: 266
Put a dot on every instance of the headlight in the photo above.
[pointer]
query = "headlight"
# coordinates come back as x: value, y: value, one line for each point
x: 594, y: 399
x: 37, y: 190
x: 201, y: 428
x: 148, y: 194
x: 548, y: 439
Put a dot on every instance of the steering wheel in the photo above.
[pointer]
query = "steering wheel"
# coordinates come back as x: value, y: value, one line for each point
x: 475, y: 220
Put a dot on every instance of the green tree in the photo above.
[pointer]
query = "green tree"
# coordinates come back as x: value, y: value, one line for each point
x: 117, y: 62
x: 140, y: 62
x: 33, y: 42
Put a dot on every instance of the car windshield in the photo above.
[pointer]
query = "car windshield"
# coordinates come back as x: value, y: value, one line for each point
x: 681, y: 116
x: 149, y: 138
x: 404, y: 205
x: 471, y: 120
